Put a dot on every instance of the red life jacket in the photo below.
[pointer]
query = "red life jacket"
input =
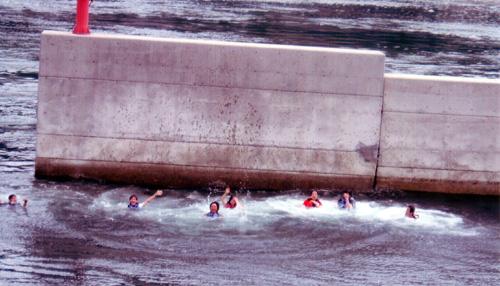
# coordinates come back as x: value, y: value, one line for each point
x: 309, y: 203
x: 229, y: 206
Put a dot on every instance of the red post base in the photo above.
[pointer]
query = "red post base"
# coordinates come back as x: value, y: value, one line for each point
x: 82, y: 17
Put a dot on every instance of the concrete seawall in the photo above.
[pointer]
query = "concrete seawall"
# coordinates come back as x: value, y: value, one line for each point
x: 187, y: 113
x: 440, y: 134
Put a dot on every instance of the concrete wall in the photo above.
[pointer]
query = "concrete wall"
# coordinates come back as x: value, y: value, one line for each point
x: 440, y: 134
x: 186, y: 113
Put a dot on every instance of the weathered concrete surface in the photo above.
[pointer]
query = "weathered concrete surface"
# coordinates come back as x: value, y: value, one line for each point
x: 440, y: 134
x: 185, y: 113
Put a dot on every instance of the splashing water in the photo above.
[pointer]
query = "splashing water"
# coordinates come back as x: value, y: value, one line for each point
x: 188, y: 213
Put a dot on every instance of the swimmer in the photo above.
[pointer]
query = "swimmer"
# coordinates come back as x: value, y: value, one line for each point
x: 13, y: 201
x: 410, y: 212
x: 313, y: 201
x: 133, y: 202
x: 232, y: 202
x: 214, y: 211
x: 346, y: 201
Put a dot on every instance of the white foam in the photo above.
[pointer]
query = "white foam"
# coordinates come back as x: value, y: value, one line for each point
x: 255, y: 214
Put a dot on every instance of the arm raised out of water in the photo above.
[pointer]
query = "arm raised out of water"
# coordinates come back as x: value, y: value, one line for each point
x: 148, y: 200
x: 226, y: 193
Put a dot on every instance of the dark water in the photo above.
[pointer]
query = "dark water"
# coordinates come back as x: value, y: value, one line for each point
x: 79, y: 233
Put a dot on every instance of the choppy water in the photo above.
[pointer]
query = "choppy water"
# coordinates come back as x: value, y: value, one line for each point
x: 79, y: 233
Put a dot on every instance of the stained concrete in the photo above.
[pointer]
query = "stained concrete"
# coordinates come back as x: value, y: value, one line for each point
x: 187, y: 113
x: 191, y: 112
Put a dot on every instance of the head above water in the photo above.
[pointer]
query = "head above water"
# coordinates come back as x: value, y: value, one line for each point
x: 12, y: 199
x: 411, y: 208
x: 410, y: 212
x: 133, y: 200
x: 214, y: 207
x: 314, y: 195
x: 346, y: 195
x: 233, y: 200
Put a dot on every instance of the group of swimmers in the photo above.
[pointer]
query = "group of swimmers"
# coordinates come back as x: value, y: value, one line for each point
x: 346, y: 201
x: 230, y: 201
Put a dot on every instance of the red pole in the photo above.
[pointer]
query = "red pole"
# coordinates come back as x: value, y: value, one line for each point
x: 82, y: 17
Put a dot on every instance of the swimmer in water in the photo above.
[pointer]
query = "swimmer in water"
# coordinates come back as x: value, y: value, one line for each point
x: 133, y: 201
x: 232, y: 202
x: 214, y: 211
x: 13, y: 201
x: 410, y: 212
x: 346, y: 201
x: 313, y: 201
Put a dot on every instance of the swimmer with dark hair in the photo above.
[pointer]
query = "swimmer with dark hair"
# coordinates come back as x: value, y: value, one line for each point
x: 13, y: 201
x: 231, y: 202
x: 410, y: 212
x: 313, y: 201
x: 214, y: 211
x: 133, y: 201
x: 346, y: 201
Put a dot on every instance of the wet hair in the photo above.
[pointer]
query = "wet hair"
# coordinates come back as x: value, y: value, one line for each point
x: 11, y: 196
x: 347, y: 192
x: 229, y: 200
x: 216, y: 203
x: 412, y: 208
x: 133, y: 196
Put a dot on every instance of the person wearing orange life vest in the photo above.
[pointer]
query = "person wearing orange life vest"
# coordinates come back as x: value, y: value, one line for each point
x: 313, y: 201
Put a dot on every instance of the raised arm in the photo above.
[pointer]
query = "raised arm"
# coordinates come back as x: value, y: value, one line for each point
x: 226, y: 193
x: 148, y: 200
